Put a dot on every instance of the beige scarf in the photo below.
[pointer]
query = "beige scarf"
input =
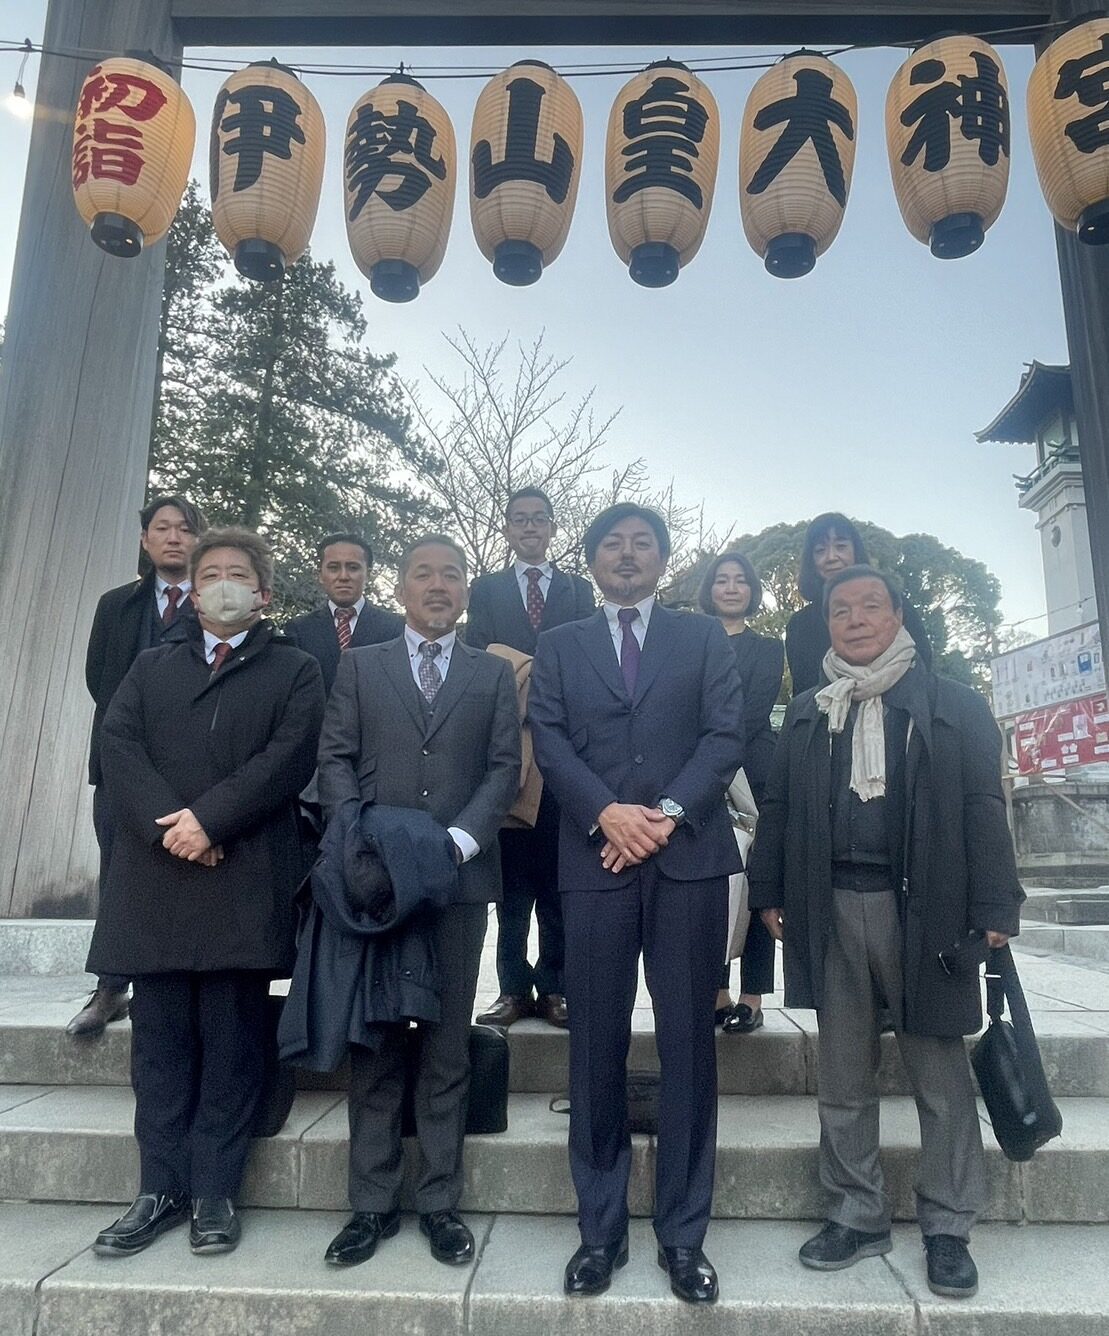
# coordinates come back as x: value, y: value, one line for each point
x: 847, y: 684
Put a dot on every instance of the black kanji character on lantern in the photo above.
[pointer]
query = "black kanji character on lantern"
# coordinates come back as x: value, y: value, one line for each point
x: 380, y: 146
x: 978, y: 102
x: 1088, y: 77
x: 664, y: 126
x: 808, y: 115
x: 520, y: 161
x: 266, y: 122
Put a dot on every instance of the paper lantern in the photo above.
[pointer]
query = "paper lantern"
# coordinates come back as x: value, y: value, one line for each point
x: 947, y: 132
x: 399, y: 167
x: 660, y: 170
x: 266, y: 168
x: 1068, y: 120
x: 132, y: 146
x: 525, y: 163
x: 796, y: 155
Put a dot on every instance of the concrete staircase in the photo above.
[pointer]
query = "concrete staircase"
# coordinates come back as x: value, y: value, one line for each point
x: 66, y: 1153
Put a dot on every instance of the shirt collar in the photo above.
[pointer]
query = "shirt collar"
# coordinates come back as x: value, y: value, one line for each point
x: 522, y: 567
x: 211, y: 641
x: 356, y: 608
x: 414, y: 640
x: 645, y: 606
x: 160, y: 585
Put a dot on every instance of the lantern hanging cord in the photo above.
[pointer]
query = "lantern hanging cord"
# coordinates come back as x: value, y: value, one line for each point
x: 570, y: 71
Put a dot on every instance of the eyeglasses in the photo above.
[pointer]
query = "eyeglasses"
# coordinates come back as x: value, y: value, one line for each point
x: 529, y: 521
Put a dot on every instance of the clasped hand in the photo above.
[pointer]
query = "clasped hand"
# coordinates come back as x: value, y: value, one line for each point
x: 185, y: 838
x: 632, y: 834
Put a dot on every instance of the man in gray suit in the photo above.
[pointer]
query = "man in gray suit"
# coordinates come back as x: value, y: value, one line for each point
x: 424, y: 722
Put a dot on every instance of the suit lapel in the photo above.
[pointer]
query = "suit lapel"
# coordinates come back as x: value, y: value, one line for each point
x: 463, y: 666
x: 399, y: 671
x: 596, y: 640
x: 656, y: 643
x: 522, y: 635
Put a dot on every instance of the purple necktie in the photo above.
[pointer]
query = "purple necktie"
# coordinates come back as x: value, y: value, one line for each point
x: 629, y: 648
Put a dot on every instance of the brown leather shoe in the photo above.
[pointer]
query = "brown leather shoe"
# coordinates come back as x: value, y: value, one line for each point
x: 507, y: 1010
x: 104, y: 1006
x: 551, y: 1007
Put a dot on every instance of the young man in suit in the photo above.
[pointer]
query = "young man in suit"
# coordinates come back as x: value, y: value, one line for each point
x: 636, y: 716
x: 346, y: 620
x: 511, y: 607
x: 129, y: 619
x: 429, y: 723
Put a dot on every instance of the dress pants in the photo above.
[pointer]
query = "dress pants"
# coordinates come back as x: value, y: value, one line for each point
x: 756, y: 964
x: 197, y: 1067
x: 102, y: 825
x: 680, y: 928
x: 529, y: 871
x: 442, y: 1084
x: 862, y: 973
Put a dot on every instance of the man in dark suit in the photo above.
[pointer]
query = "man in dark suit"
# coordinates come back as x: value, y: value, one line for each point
x: 637, y: 717
x: 129, y: 619
x: 346, y: 620
x: 429, y: 723
x: 512, y: 607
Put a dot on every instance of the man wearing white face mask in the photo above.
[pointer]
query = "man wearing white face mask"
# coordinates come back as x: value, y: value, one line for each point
x: 204, y: 748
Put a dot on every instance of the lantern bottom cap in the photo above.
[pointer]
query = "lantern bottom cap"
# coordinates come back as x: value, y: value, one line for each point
x: 518, y: 263
x: 654, y: 264
x: 957, y: 235
x: 1093, y: 224
x: 260, y: 260
x: 791, y: 255
x: 117, y: 235
x: 395, y: 280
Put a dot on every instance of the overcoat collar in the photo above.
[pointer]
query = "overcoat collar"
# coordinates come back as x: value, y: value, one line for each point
x: 258, y: 637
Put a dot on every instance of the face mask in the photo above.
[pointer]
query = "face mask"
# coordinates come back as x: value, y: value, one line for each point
x: 227, y: 602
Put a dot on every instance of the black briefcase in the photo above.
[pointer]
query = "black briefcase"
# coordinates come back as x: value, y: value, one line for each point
x: 487, y: 1110
x: 1006, y: 1061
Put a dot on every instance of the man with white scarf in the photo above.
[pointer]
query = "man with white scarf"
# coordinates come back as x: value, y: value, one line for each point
x: 882, y: 843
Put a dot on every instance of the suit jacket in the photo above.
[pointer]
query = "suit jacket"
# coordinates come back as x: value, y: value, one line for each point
x: 459, y: 760
x: 497, y: 612
x: 679, y: 736
x: 315, y: 633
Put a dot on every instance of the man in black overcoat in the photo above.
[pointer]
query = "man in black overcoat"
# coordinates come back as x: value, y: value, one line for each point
x: 204, y: 749
x: 637, y: 718
x: 511, y: 607
x: 882, y: 843
x: 429, y: 723
x: 129, y: 619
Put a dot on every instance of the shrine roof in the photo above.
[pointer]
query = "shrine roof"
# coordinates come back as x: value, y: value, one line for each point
x: 1044, y: 390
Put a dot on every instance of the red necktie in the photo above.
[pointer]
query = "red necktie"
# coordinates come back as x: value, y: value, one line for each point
x: 342, y: 626
x: 173, y: 594
x: 222, y: 650
x: 535, y: 600
x: 629, y: 648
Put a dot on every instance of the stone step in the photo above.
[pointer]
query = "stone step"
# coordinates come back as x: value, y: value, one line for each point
x: 276, y: 1283
x: 75, y: 1144
x: 1086, y: 942
x: 1052, y: 904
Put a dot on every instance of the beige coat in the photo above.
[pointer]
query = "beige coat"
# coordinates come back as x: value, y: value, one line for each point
x: 526, y: 807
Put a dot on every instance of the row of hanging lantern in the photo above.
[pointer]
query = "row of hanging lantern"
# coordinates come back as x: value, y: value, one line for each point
x: 947, y: 132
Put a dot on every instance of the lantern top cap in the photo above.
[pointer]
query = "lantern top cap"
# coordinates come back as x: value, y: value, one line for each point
x: 942, y: 36
x: 272, y: 64
x: 149, y: 58
x: 541, y: 64
x: 401, y: 78
x: 667, y: 64
x: 804, y: 51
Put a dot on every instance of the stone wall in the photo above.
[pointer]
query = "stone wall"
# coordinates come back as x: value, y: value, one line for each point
x: 1061, y: 833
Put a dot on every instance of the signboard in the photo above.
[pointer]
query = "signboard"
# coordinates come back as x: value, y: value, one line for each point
x: 1050, y: 740
x: 1065, y: 667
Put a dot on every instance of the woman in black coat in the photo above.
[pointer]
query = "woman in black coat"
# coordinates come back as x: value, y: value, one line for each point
x: 832, y: 543
x: 732, y: 591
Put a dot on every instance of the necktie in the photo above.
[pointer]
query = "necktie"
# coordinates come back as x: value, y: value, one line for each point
x: 173, y: 595
x: 342, y: 626
x: 629, y: 648
x: 222, y: 650
x: 431, y: 679
x: 535, y: 600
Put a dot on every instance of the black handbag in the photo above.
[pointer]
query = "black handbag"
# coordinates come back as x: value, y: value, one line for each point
x: 1006, y: 1061
x: 487, y: 1110
x: 642, y: 1088
x: 278, y: 1080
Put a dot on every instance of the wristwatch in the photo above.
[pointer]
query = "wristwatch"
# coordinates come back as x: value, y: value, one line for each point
x: 675, y: 811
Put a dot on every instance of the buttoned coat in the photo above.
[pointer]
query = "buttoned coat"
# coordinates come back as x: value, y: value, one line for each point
x: 315, y: 632
x: 497, y: 612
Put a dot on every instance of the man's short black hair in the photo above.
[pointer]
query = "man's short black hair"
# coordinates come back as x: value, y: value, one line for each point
x: 441, y: 540
x: 863, y: 573
x: 704, y: 597
x: 809, y: 580
x: 608, y: 519
x: 536, y: 493
x: 192, y: 515
x: 355, y: 540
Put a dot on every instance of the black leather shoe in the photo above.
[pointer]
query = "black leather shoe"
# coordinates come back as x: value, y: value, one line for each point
x: 507, y: 1010
x: 551, y: 1007
x: 150, y: 1214
x: 692, y: 1276
x: 743, y: 1020
x: 590, y: 1270
x: 951, y: 1269
x: 215, y: 1227
x: 837, y: 1246
x: 104, y: 1006
x: 451, y: 1240
x: 358, y: 1239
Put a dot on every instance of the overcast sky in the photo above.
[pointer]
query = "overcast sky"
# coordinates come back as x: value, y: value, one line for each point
x: 857, y: 388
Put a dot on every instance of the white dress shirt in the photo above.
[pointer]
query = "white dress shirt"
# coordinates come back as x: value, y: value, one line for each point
x: 545, y: 569
x: 160, y: 587
x: 466, y: 843
x: 639, y: 626
x: 356, y: 612
x: 211, y: 641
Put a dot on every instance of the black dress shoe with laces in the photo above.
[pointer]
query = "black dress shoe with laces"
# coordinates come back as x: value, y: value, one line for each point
x: 150, y: 1214
x: 507, y: 1010
x: 590, y: 1269
x: 951, y: 1269
x: 104, y: 1006
x: 692, y: 1276
x: 837, y: 1246
x: 215, y: 1227
x: 450, y: 1239
x: 358, y: 1239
